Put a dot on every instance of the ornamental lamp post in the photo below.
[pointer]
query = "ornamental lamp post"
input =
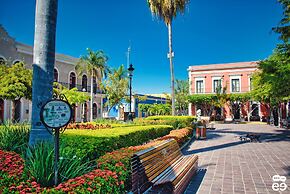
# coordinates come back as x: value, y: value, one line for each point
x: 130, y: 70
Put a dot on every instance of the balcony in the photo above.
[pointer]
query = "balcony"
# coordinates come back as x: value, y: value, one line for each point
x: 80, y: 88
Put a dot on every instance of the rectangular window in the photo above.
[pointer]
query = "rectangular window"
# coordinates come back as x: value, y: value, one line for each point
x: 217, y: 85
x: 199, y: 86
x: 235, y: 85
x: 251, y: 84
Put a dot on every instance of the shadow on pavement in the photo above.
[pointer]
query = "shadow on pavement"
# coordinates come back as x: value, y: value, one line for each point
x: 196, y: 181
x: 206, y: 149
x: 288, y: 170
x: 278, y: 135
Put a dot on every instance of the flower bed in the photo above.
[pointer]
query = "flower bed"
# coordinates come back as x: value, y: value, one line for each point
x: 11, y: 175
x: 111, y: 176
x: 88, y: 125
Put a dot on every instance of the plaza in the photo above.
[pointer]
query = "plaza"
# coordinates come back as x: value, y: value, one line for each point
x: 228, y: 165
x: 155, y: 96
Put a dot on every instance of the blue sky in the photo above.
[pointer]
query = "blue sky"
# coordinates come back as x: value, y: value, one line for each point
x: 209, y: 32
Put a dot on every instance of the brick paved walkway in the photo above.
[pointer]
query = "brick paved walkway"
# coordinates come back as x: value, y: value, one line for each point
x: 227, y: 165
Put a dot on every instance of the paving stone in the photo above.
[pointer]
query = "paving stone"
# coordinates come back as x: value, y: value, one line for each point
x: 233, y: 166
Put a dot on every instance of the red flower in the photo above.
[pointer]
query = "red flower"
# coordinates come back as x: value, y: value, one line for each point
x: 90, y: 189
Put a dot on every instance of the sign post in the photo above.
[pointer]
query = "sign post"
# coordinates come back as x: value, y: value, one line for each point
x: 55, y: 115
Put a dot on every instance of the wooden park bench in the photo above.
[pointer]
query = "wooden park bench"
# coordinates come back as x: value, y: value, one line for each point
x: 162, y: 169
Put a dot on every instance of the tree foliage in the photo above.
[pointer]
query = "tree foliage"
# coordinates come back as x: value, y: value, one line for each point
x: 15, y: 81
x: 284, y: 28
x: 155, y: 109
x: 166, y: 10
x: 272, y: 82
x: 94, y: 63
x: 73, y: 95
x: 210, y: 101
x: 115, y: 86
x: 181, y: 96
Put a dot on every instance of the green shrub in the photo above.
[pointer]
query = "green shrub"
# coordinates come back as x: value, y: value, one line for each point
x: 40, y: 165
x: 14, y: 138
x: 108, y: 121
x: 177, y: 122
x: 93, y: 144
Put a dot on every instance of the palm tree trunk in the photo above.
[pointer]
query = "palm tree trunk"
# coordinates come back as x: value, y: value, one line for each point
x: 92, y: 96
x: 171, y: 67
x: 43, y: 65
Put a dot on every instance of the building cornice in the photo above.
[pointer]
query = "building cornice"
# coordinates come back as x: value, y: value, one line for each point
x: 61, y: 58
x: 223, y: 66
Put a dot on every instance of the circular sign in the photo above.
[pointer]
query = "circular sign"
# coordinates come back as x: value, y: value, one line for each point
x: 56, y: 113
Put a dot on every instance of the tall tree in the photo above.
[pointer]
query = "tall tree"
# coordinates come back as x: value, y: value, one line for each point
x: 167, y: 10
x: 116, y: 87
x: 15, y: 83
x: 43, y: 65
x: 94, y: 63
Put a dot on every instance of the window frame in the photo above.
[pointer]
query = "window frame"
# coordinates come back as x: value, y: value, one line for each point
x: 216, y: 78
x: 199, y: 80
x: 231, y: 84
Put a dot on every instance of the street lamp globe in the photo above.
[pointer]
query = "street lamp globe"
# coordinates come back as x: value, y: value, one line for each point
x: 130, y: 70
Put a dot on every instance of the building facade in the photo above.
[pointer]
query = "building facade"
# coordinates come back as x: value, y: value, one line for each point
x: 121, y: 112
x: 12, y: 52
x: 236, y: 78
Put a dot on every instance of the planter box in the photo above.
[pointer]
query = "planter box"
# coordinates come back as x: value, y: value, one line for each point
x: 200, y: 132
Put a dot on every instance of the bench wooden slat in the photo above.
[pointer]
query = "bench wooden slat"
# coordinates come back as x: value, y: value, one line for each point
x: 162, y: 165
x: 176, y: 169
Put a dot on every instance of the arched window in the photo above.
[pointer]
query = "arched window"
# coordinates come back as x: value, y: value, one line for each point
x: 16, y: 61
x: 84, y: 82
x: 85, y: 113
x: 94, y: 85
x: 72, y: 80
x: 2, y: 61
x: 95, y: 111
x: 17, y: 110
x: 55, y: 75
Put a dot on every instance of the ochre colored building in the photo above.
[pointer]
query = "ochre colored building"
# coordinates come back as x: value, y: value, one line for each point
x: 236, y: 77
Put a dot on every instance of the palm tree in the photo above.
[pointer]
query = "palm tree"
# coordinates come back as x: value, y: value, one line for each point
x: 94, y: 63
x: 43, y: 60
x: 167, y: 10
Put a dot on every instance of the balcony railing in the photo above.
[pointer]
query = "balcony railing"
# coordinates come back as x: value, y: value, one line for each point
x: 80, y: 88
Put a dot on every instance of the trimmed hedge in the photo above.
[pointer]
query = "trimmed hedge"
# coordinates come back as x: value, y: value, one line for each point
x: 93, y: 144
x: 177, y: 122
